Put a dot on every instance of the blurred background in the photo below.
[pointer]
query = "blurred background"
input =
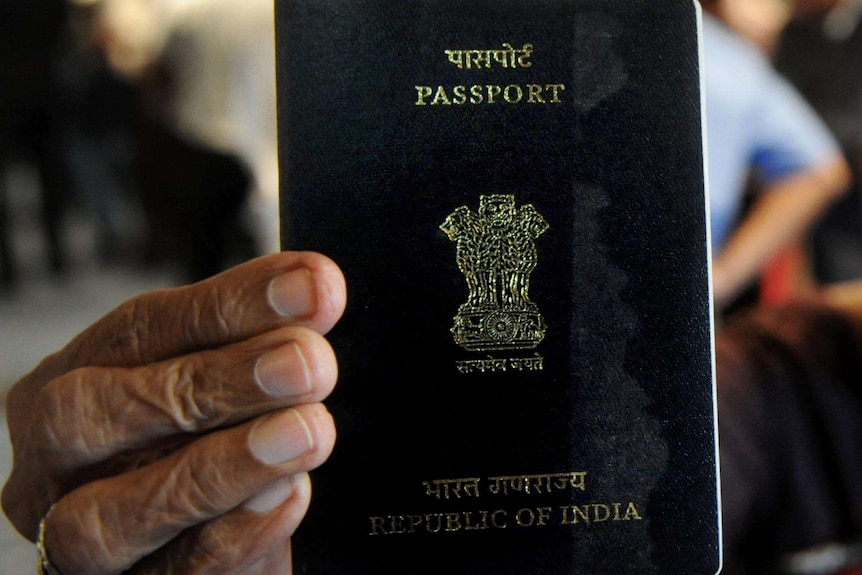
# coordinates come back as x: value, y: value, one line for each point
x: 138, y: 151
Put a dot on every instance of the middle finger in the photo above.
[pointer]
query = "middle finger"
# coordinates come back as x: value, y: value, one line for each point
x: 94, y: 414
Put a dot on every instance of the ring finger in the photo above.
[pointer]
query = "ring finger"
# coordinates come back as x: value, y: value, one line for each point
x: 106, y: 527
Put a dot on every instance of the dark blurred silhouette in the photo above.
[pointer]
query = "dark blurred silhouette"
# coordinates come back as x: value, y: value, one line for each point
x: 96, y: 129
x: 30, y: 107
x: 192, y: 197
x: 106, y: 125
x: 820, y: 51
x: 195, y: 182
x: 790, y: 427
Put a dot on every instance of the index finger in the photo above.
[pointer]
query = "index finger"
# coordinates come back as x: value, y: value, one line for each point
x: 297, y: 288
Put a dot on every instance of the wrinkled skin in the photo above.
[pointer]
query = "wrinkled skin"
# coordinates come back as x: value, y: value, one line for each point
x: 174, y: 435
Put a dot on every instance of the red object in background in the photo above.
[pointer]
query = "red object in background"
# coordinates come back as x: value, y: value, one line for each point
x: 785, y: 277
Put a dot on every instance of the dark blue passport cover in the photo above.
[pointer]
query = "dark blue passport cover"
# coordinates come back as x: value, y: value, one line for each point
x: 515, y: 192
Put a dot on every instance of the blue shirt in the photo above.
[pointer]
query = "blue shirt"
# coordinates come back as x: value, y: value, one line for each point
x: 755, y: 120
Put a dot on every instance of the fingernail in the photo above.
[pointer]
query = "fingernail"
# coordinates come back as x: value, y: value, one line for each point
x: 283, y: 372
x: 271, y: 497
x: 291, y: 294
x: 280, y: 438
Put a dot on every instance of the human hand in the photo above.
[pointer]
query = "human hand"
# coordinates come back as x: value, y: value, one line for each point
x: 174, y: 434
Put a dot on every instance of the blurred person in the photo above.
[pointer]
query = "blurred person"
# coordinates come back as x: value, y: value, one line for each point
x: 757, y: 124
x: 223, y: 54
x: 96, y: 133
x: 30, y: 35
x: 820, y: 52
x: 207, y: 141
x: 788, y: 400
x: 790, y: 431
x: 193, y: 199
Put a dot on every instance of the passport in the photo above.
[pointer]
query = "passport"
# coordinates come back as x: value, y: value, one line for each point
x: 515, y: 192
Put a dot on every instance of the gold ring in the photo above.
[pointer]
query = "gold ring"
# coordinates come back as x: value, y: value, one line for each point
x: 45, y: 566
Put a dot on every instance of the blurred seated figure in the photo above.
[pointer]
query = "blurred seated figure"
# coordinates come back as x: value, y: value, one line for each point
x: 820, y: 52
x: 757, y: 124
x: 790, y: 430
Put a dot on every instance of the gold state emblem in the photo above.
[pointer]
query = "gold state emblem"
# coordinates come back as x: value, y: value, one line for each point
x: 496, y: 252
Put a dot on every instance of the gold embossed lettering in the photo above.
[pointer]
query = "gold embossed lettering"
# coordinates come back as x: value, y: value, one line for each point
x: 497, y: 522
x: 555, y: 90
x: 422, y: 92
x: 449, y: 522
x: 534, y: 94
x: 525, y: 517
x: 377, y: 527
x: 396, y: 524
x: 513, y: 94
x: 459, y: 95
x: 574, y: 514
x: 507, y: 57
x: 528, y: 517
x: 482, y: 524
x: 441, y: 97
x: 428, y: 522
x: 453, y: 520
x: 599, y: 513
x: 632, y: 513
x: 481, y: 59
x: 476, y: 96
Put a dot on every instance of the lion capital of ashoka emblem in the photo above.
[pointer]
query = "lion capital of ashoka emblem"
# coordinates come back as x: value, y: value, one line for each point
x: 496, y: 252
